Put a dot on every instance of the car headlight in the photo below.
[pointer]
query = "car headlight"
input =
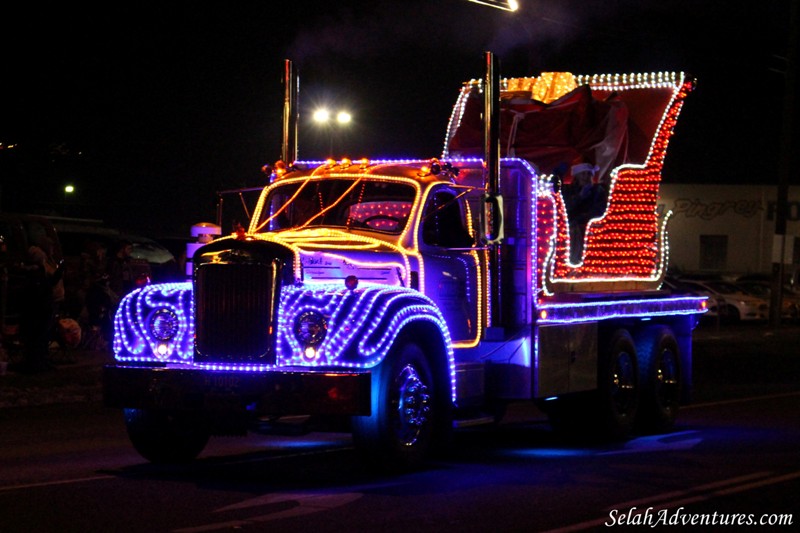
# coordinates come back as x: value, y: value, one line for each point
x: 310, y: 328
x: 164, y: 325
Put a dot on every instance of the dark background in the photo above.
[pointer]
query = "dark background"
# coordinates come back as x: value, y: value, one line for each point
x: 150, y: 108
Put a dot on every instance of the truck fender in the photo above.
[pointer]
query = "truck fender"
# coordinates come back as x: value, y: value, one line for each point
x: 362, y: 324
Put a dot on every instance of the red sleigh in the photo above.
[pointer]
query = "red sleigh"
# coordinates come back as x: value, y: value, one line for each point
x: 621, y: 125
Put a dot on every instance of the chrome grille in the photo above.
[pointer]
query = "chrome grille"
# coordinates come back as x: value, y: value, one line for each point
x: 233, y: 313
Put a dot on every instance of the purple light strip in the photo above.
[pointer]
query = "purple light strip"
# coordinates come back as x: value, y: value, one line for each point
x: 559, y: 313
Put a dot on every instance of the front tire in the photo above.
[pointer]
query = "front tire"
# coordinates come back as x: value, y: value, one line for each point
x: 733, y: 315
x: 407, y: 409
x: 166, y: 436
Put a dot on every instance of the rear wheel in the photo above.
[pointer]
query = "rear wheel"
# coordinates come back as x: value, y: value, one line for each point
x: 167, y: 436
x: 659, y: 375
x: 407, y: 410
x: 618, y: 386
x: 608, y: 412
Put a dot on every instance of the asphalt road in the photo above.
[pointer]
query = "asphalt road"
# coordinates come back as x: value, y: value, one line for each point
x: 69, y: 467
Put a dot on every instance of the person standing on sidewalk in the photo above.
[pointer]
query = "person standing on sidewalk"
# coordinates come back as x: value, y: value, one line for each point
x: 120, y: 271
x: 37, y: 321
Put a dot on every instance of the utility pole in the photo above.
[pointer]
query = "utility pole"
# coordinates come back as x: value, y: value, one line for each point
x: 779, y: 243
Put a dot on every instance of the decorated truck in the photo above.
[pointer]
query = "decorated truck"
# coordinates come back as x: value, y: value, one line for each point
x: 403, y: 299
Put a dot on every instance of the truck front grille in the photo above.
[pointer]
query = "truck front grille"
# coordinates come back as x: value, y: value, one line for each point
x: 233, y: 313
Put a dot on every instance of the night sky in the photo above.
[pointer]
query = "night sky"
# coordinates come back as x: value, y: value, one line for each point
x: 150, y: 108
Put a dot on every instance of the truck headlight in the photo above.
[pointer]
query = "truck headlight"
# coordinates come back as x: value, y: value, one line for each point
x: 310, y: 328
x: 164, y: 325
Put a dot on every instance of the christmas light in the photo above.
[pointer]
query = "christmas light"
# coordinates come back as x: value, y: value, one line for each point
x: 576, y: 312
x: 627, y: 243
x: 363, y: 325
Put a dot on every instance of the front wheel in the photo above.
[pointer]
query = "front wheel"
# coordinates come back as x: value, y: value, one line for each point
x: 167, y: 436
x: 733, y: 315
x: 407, y: 410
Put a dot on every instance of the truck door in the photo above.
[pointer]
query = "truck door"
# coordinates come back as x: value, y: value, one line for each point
x: 452, y: 262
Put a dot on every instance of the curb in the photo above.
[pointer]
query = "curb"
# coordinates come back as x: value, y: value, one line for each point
x: 74, y: 380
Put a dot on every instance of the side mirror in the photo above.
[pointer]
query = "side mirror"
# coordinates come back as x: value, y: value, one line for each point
x: 492, y: 219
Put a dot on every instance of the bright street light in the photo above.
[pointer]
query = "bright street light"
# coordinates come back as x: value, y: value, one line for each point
x: 322, y: 116
x: 325, y: 118
x: 343, y: 117
x: 509, y: 5
x: 69, y: 189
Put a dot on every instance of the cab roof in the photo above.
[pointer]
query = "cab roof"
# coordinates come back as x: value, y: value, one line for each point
x: 424, y: 171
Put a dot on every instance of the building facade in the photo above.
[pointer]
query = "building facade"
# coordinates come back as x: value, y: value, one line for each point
x: 729, y: 229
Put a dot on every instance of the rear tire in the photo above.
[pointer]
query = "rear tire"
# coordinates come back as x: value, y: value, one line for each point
x: 610, y: 411
x: 165, y: 436
x: 660, y: 378
x: 407, y: 411
x: 618, y: 386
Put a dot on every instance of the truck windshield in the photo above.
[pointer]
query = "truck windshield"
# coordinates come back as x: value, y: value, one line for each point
x: 351, y: 203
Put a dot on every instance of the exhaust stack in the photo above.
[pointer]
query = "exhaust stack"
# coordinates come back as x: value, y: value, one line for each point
x: 291, y: 87
x: 493, y: 200
x: 491, y: 126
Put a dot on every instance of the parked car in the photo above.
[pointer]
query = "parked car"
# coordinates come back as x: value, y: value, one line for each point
x: 789, y: 278
x: 79, y: 235
x: 716, y: 303
x: 738, y: 304
x: 790, y: 300
x: 82, y: 242
x: 163, y: 264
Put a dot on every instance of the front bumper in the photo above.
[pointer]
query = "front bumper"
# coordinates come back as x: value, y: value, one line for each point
x: 275, y: 393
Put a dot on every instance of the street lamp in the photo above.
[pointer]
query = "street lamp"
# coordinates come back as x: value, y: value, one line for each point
x: 343, y: 117
x: 68, y: 189
x: 324, y: 118
x: 509, y: 5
